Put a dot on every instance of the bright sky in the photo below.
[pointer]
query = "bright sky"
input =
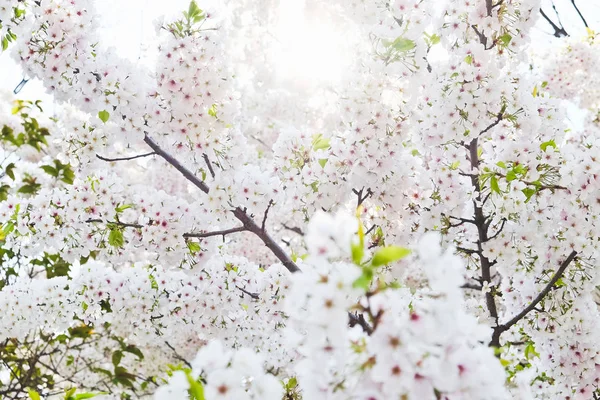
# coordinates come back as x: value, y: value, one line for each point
x: 128, y: 26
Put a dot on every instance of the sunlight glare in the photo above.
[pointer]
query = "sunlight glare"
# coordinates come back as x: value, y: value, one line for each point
x: 311, y: 47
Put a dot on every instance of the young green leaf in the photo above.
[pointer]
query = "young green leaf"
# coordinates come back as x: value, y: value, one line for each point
x: 388, y: 255
x: 104, y: 116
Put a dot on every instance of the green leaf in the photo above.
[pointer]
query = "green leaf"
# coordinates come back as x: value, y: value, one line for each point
x: 134, y: 350
x: 530, y: 351
x: 358, y: 252
x: 322, y: 162
x: 70, y: 392
x: 33, y: 395
x: 388, y: 255
x: 528, y: 192
x: 104, y: 116
x: 212, y: 111
x: 117, y: 356
x: 50, y: 170
x: 469, y: 59
x: 319, y: 142
x: 403, y: 45
x: 505, y: 39
x: 68, y: 176
x: 511, y: 176
x: 193, y: 9
x: 196, y: 388
x: 364, y: 281
x: 194, y: 247
x: 123, y: 207
x: 4, y: 43
x: 10, y: 170
x: 494, y: 184
x: 549, y: 143
x: 501, y: 164
x: 115, y: 238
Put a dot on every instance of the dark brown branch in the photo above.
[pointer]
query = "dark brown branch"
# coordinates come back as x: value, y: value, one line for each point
x: 489, y: 6
x: 579, y: 12
x: 125, y: 158
x: 171, y: 160
x: 209, y: 165
x: 250, y: 225
x: 117, y: 223
x: 361, y: 198
x: 558, y: 31
x: 264, y: 221
x: 238, y: 212
x: 177, y: 356
x: 359, y: 319
x: 215, y: 233
x: 472, y: 286
x: 482, y: 231
x: 493, y: 124
x: 467, y: 251
x: 557, y: 275
x: 255, y: 296
x: 294, y: 229
x: 370, y: 229
x: 495, y: 235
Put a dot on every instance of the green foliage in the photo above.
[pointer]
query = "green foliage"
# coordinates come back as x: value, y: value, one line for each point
x: 54, y: 265
x: 115, y: 237
x: 104, y: 116
x: 190, y: 24
x: 319, y: 142
x: 61, y: 171
x: 212, y: 111
x: 389, y: 255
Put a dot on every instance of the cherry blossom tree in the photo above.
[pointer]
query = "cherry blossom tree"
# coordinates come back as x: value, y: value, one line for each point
x: 348, y: 200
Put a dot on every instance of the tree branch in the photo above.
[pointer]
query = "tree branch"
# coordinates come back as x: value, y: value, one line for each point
x: 359, y: 319
x: 208, y: 164
x: 171, y: 160
x: 557, y: 275
x: 579, y: 12
x: 361, y: 198
x: 294, y: 229
x: 125, y: 158
x: 250, y: 225
x: 558, y: 31
x: 255, y: 296
x: 264, y: 221
x: 215, y: 233
x: 499, y: 117
x: 117, y: 223
x: 238, y: 212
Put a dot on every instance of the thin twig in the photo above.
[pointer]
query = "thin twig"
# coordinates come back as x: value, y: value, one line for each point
x: 177, y: 356
x: 264, y: 221
x: 171, y: 160
x: 579, y: 12
x: 117, y: 223
x: 359, y: 319
x: 255, y: 296
x: 238, y: 212
x: 209, y: 165
x: 223, y: 233
x: 125, y: 158
x: 294, y: 229
x: 557, y: 275
x: 558, y: 31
